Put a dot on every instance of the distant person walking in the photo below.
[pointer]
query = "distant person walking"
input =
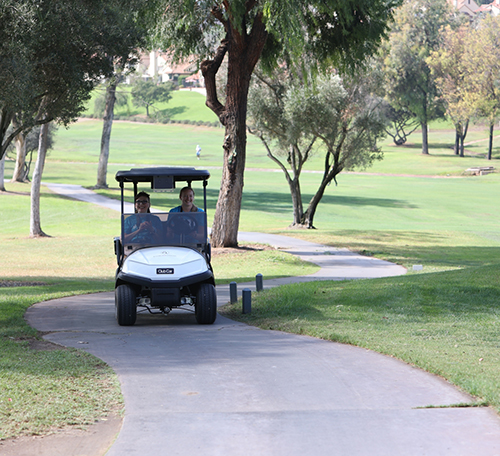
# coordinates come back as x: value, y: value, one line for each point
x: 198, y: 151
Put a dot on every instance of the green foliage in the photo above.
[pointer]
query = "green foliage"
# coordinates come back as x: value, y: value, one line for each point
x: 483, y: 60
x: 342, y: 31
x: 415, y: 34
x: 58, y: 70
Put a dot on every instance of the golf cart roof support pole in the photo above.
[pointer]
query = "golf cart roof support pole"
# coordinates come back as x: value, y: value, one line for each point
x: 122, y: 202
x: 205, y: 183
x: 122, y: 210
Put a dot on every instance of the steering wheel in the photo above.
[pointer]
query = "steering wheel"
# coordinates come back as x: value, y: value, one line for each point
x: 182, y: 224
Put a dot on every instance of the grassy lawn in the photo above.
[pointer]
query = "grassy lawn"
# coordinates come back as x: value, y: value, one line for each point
x: 184, y: 105
x: 409, y: 209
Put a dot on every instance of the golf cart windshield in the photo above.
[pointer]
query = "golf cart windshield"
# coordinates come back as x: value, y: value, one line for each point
x: 166, y: 229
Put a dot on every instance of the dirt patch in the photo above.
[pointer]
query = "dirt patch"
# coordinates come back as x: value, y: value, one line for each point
x: 44, y: 345
x: 5, y: 192
x: 14, y: 283
x: 243, y: 248
x: 38, y: 344
x: 94, y: 440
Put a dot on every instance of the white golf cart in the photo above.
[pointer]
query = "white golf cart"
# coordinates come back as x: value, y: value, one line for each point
x: 170, y: 268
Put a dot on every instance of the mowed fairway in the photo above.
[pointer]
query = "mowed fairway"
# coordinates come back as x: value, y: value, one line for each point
x: 410, y: 209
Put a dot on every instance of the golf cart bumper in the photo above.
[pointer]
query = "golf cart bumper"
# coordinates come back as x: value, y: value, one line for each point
x: 145, y: 282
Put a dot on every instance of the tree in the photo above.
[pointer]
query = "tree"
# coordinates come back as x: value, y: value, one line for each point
x: 25, y: 144
x: 286, y: 143
x: 454, y: 75
x: 339, y: 32
x: 63, y: 68
x: 20, y: 173
x: 147, y: 93
x: 110, y: 100
x: 69, y: 66
x: 35, y: 221
x: 16, y: 67
x: 484, y: 58
x: 409, y: 82
x: 402, y: 123
x: 290, y: 115
x: 133, y: 36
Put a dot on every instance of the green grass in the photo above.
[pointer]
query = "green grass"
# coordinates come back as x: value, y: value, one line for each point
x: 406, y: 210
x: 41, y: 391
x: 185, y: 105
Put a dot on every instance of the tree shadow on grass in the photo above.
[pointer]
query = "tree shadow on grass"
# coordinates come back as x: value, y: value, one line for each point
x: 431, y: 145
x: 417, y: 247
x: 171, y: 112
x: 281, y: 202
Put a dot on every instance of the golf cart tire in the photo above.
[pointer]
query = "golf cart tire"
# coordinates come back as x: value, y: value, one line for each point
x: 125, y: 302
x: 206, y: 304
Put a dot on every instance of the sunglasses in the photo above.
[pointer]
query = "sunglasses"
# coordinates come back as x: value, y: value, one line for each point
x: 142, y: 202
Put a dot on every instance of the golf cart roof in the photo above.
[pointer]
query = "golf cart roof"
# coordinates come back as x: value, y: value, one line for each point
x: 149, y: 174
x: 162, y: 178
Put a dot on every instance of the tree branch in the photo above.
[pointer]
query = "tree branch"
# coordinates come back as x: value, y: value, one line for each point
x: 258, y: 37
x: 217, y: 13
x: 270, y: 154
x: 250, y: 5
x: 209, y: 69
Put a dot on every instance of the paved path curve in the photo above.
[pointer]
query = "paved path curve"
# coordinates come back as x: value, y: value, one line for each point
x: 229, y: 389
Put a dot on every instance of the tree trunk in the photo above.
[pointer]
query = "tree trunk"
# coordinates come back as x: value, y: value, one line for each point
x: 227, y: 213
x: 293, y: 183
x: 2, y: 172
x: 35, y: 225
x: 490, y: 142
x: 463, y: 134
x: 308, y: 217
x: 19, y: 174
x: 425, y: 138
x: 102, y: 169
x: 244, y: 51
x: 298, y: 208
x: 5, y: 119
x: 457, y: 139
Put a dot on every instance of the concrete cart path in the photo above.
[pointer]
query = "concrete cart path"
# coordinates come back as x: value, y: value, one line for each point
x: 231, y: 389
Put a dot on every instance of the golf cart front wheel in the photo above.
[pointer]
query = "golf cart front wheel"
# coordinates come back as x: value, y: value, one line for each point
x: 206, y: 304
x: 125, y: 305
